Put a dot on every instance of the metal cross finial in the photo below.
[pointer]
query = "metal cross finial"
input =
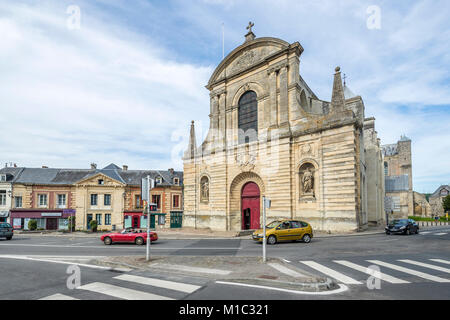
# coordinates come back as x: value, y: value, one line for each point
x: 249, y: 27
x: 345, y: 77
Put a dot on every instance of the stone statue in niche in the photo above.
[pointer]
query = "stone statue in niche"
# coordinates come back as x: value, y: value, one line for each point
x: 307, y: 180
x: 204, y: 184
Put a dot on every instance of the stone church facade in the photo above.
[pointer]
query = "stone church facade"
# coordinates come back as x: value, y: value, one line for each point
x: 271, y: 136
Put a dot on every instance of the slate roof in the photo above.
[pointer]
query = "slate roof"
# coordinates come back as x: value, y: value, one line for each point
x: 437, y: 193
x: 51, y: 176
x: 11, y: 173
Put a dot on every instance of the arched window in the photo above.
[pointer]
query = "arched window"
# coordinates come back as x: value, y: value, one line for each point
x: 248, y: 117
x: 386, y: 169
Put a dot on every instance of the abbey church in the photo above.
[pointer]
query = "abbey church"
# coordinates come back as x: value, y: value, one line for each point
x: 270, y: 135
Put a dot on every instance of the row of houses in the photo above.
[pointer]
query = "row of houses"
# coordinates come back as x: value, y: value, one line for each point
x: 111, y: 196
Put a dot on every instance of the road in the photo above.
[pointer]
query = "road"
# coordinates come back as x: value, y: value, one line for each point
x: 412, y: 267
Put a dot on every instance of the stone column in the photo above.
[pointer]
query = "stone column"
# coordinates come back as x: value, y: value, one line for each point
x: 222, y: 119
x: 284, y: 110
x: 273, y: 108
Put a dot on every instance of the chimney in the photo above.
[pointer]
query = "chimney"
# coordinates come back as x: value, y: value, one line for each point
x: 125, y: 168
x: 44, y: 167
x: 171, y: 170
x: 93, y: 166
x: 15, y: 165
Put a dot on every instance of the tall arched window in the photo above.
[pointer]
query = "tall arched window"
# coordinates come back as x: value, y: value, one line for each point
x: 386, y: 169
x: 248, y: 117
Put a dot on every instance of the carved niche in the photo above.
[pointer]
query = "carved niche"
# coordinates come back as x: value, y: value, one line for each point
x: 204, y: 189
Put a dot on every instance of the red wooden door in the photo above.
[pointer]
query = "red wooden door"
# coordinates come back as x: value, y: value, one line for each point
x: 250, y: 200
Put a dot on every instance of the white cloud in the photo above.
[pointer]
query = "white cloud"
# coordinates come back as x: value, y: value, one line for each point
x: 72, y: 97
x: 133, y: 76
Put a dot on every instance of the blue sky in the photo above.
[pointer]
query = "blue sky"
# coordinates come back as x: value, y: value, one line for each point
x: 124, y: 87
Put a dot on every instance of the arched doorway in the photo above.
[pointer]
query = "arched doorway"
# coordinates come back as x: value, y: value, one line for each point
x: 250, y: 204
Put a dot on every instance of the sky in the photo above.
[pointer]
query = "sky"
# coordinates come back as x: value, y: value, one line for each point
x: 117, y: 81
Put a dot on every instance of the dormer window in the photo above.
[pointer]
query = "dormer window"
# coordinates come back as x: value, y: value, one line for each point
x: 3, y: 177
x: 176, y: 181
x: 101, y: 182
x: 158, y: 180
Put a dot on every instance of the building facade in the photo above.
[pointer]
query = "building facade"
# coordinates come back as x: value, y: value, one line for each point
x: 7, y: 177
x: 397, y: 168
x: 50, y: 196
x: 271, y: 136
x: 436, y: 200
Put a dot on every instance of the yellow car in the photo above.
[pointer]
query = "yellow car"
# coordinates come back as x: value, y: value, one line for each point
x: 285, y: 230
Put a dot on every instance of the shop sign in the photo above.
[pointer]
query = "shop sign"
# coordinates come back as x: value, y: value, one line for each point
x: 51, y: 214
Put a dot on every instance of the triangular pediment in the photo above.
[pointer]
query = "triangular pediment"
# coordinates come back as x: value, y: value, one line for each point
x: 249, y: 54
x: 93, y: 179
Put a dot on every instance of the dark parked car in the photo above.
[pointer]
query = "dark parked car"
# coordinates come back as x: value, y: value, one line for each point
x: 6, y: 231
x: 404, y: 226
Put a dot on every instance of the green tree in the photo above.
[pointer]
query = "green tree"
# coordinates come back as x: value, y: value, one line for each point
x: 93, y: 224
x: 32, y: 225
x: 446, y: 203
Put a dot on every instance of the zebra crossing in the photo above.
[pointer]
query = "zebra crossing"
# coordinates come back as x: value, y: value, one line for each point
x: 149, y: 288
x: 401, y: 271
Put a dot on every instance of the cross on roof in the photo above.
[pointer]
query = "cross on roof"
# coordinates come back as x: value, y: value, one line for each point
x: 249, y: 27
x: 345, y: 77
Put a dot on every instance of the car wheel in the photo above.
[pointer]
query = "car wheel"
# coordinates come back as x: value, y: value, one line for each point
x: 139, y: 241
x: 417, y: 231
x: 107, y: 241
x: 272, y: 239
x: 388, y: 233
x: 408, y: 232
x: 8, y: 238
x: 306, y: 238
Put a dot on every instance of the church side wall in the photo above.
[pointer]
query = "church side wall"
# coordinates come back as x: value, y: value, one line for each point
x: 335, y: 206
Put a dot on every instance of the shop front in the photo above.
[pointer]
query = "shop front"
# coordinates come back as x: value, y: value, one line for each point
x: 46, y: 220
x: 138, y: 220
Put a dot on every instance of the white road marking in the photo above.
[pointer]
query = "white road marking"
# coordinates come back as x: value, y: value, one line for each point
x: 286, y: 270
x: 178, y: 286
x: 58, y: 296
x: 410, y: 271
x: 441, y: 261
x: 120, y: 292
x: 425, y: 232
x: 63, y: 262
x: 191, y: 269
x: 330, y: 272
x: 286, y: 260
x: 131, y: 246
x: 382, y: 276
x: 439, y: 234
x: 426, y: 265
x: 342, y: 288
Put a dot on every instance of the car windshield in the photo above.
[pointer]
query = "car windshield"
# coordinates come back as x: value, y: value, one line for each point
x: 400, y: 221
x: 273, y: 224
x: 5, y: 225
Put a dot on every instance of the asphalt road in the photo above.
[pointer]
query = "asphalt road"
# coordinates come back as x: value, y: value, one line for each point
x: 417, y: 276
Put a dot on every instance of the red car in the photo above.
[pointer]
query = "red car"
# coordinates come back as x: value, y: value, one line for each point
x: 138, y: 237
